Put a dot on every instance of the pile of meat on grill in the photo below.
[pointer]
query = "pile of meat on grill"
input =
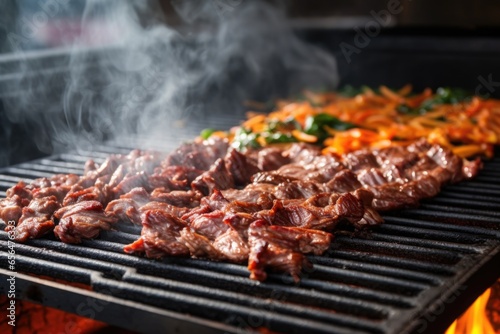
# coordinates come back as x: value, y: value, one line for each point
x: 270, y: 206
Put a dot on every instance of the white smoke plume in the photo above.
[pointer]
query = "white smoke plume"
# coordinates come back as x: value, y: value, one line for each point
x: 145, y: 72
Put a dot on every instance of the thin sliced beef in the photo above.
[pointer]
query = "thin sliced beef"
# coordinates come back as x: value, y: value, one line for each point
x: 200, y: 155
x: 217, y: 177
x: 11, y: 208
x: 159, y: 236
x: 232, y: 246
x: 344, y: 181
x: 282, y: 248
x: 303, y: 153
x: 359, y: 160
x: 36, y: 220
x: 126, y: 208
x: 83, y: 220
x: 180, y: 198
x: 21, y: 190
x: 239, y: 167
x: 271, y: 158
x: 174, y: 177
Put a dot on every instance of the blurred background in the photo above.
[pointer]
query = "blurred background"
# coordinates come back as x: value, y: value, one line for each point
x: 64, y: 25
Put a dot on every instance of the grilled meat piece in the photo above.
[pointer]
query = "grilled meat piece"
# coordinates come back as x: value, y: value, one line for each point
x: 21, y: 190
x: 217, y: 177
x: 174, y: 177
x: 239, y: 167
x: 81, y: 220
x: 36, y: 220
x: 282, y: 248
x: 271, y: 158
x: 11, y: 208
x: 180, y: 198
x: 199, y: 155
x: 160, y: 231
x: 126, y: 208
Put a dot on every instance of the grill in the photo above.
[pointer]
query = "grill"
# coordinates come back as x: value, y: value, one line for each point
x: 414, y: 274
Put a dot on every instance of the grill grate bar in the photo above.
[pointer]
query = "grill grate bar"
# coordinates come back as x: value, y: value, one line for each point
x: 387, y: 260
x: 129, y: 276
x: 479, y: 232
x: 288, y: 309
x: 466, y: 196
x: 458, y: 209
x: 415, y: 252
x: 461, y: 203
x: 473, y: 190
x: 6, y: 185
x: 51, y: 169
x: 26, y: 172
x: 62, y: 164
x: 428, y: 234
x: 454, y: 217
x: 98, y: 263
x: 429, y: 243
x: 79, y: 158
x: 200, y: 306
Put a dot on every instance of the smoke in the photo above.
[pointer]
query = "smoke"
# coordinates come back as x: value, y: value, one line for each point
x: 144, y: 71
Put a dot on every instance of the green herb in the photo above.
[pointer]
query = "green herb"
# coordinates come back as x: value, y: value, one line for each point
x: 206, y: 133
x: 445, y: 95
x: 245, y: 138
x: 315, y: 125
x: 278, y: 137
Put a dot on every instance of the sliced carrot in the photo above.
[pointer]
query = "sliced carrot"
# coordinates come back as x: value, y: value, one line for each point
x: 302, y: 136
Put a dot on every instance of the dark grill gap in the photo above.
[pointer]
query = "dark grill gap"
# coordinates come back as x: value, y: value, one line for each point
x: 443, y: 254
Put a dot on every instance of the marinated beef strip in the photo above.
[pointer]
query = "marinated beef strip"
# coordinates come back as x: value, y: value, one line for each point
x: 83, y: 220
x: 36, y: 219
x: 282, y: 248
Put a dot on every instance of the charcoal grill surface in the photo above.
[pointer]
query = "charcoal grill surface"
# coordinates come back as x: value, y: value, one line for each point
x: 415, y: 273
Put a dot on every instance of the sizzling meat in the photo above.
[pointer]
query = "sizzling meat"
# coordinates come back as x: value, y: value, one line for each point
x: 268, y: 207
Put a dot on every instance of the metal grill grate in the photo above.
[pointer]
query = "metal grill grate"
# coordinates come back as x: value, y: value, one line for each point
x: 415, y: 273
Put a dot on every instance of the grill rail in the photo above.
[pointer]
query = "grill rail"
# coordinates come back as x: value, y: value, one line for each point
x: 415, y: 273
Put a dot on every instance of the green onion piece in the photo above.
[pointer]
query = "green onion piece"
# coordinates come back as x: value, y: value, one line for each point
x: 206, y: 133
